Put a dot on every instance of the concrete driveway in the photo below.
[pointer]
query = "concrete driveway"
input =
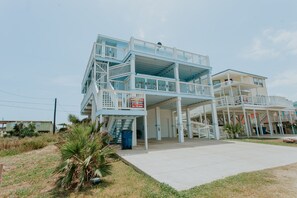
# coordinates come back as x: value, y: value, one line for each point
x: 184, y: 168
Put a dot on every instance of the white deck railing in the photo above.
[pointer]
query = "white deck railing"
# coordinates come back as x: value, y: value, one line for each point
x: 254, y: 100
x: 122, y: 100
x: 107, y: 51
x: 195, y: 89
x: 92, y: 89
x: 161, y: 84
x: 153, y: 83
x: 119, y: 70
x: 169, y: 52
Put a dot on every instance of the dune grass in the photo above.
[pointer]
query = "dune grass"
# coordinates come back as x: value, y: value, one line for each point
x: 13, y: 145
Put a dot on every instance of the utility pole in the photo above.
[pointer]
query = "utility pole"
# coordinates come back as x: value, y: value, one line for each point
x: 55, y: 111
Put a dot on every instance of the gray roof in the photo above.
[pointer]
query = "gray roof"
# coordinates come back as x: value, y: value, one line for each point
x: 237, y: 71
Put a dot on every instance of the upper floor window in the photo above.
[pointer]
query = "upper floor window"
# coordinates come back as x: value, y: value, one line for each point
x: 215, y: 82
x: 259, y: 81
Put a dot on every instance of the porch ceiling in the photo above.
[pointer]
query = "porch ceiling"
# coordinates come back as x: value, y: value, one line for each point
x: 155, y: 99
x: 150, y: 66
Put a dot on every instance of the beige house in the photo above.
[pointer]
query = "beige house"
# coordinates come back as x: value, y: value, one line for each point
x: 243, y: 98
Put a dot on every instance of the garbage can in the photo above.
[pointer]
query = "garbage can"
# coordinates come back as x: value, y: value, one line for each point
x: 264, y: 130
x: 126, y: 139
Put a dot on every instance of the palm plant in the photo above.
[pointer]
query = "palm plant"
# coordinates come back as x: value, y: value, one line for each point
x: 233, y: 130
x: 85, y: 155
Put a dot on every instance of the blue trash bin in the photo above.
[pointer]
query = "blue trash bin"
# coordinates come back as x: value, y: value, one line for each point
x: 126, y: 139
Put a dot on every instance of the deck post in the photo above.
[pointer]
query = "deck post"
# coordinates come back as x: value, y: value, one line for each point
x: 234, y: 117
x: 204, y: 113
x: 281, y: 129
x: 291, y: 120
x: 245, y: 122
x: 145, y: 132
x: 134, y: 142
x: 256, y: 123
x: 176, y: 76
x: 269, y: 123
x: 132, y: 76
x: 189, y: 124
x: 224, y: 117
x: 215, y: 119
x: 173, y: 124
x: 179, y: 121
x: 158, y: 124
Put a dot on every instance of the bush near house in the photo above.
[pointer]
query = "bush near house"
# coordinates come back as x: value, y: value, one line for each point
x: 233, y: 130
x: 21, y: 131
x: 84, y: 155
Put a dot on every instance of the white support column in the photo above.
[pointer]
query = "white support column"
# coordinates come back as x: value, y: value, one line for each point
x: 228, y: 113
x: 179, y: 121
x: 214, y: 116
x: 176, y: 76
x: 269, y: 123
x: 245, y: 122
x: 103, y: 49
x: 173, y: 124
x: 281, y: 129
x: 93, y: 113
x: 204, y: 113
x: 224, y: 117
x: 132, y: 76
x: 260, y: 125
x: 256, y: 123
x: 134, y: 142
x: 158, y: 124
x: 291, y: 121
x: 145, y: 132
x: 189, y: 124
x: 234, y: 117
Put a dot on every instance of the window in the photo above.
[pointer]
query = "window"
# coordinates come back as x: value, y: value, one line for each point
x: 259, y: 81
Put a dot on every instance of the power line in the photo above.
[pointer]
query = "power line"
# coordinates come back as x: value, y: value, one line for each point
x: 38, y: 103
x: 10, y: 93
x: 13, y: 101
x: 34, y: 108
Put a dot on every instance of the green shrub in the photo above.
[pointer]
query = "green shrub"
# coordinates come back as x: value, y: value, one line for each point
x: 85, y: 154
x: 233, y: 130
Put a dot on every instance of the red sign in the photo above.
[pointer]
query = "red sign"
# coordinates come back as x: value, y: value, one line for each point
x: 137, y: 102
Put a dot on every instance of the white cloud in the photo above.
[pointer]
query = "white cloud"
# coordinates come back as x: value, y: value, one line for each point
x: 272, y: 44
x: 284, y: 84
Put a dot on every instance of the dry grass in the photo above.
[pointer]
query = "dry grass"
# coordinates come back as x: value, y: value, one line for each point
x: 278, y: 142
x: 30, y: 175
x: 13, y: 145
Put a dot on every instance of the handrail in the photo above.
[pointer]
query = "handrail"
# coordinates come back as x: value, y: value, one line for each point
x: 170, y: 52
x: 254, y: 100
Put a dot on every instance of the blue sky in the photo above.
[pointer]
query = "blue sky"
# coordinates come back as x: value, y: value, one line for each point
x: 45, y: 45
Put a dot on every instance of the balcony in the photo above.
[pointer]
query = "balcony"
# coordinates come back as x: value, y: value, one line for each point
x: 169, y: 52
x: 119, y: 53
x: 267, y: 101
x: 229, y: 83
x: 121, y: 100
x: 110, y: 52
x: 168, y: 85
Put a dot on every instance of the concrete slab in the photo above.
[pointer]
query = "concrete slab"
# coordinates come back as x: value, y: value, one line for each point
x: 187, y: 167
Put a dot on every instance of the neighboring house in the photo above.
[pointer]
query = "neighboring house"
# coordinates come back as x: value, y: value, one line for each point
x: 243, y: 98
x: 41, y: 126
x: 145, y: 87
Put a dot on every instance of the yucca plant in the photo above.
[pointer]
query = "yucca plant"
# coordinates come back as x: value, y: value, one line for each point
x: 233, y: 130
x: 85, y: 155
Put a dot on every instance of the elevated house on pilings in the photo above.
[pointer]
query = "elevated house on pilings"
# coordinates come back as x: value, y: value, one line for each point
x: 243, y: 98
x: 145, y: 87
